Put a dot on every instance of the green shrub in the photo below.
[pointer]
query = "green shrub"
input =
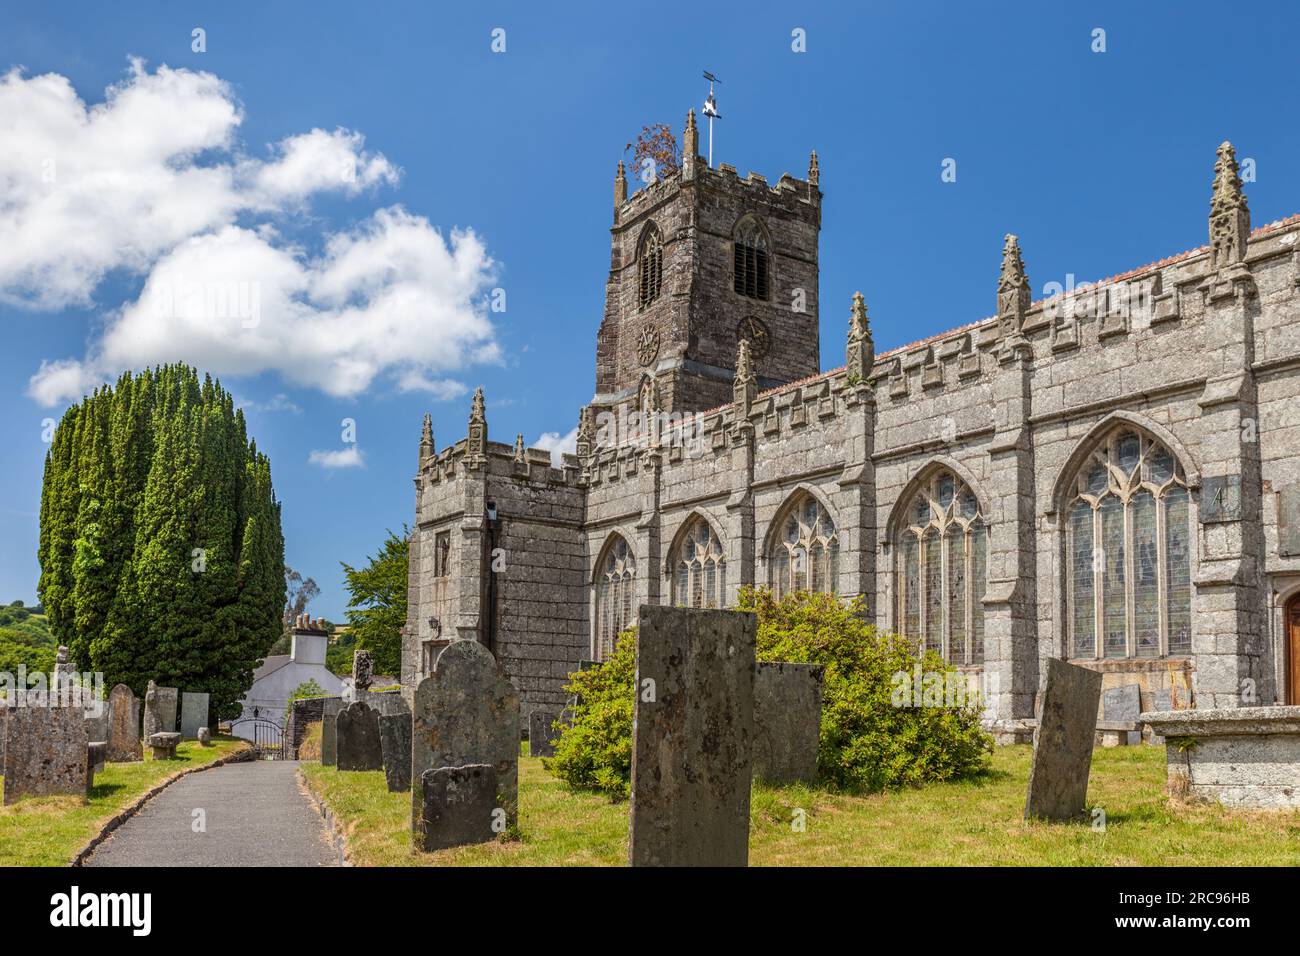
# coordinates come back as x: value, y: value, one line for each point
x: 308, y: 688
x: 595, y: 750
x: 867, y: 742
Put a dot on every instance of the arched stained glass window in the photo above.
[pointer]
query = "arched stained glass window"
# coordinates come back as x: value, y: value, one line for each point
x: 1128, y: 573
x: 805, y: 556
x: 699, y: 567
x: 942, y: 558
x: 615, y: 594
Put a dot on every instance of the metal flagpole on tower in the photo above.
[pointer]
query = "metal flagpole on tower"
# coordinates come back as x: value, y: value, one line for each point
x: 711, y: 111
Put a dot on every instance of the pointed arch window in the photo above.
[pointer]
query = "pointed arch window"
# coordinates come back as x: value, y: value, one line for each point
x: 1127, y: 541
x: 750, y: 267
x: 943, y: 557
x: 615, y: 595
x: 805, y: 555
x: 651, y: 268
x: 699, y: 567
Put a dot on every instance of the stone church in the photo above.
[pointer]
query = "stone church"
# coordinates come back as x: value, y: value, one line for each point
x: 1109, y: 475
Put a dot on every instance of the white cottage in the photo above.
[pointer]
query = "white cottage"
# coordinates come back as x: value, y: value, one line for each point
x: 278, y: 676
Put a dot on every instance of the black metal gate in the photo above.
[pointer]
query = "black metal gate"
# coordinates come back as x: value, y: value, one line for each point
x: 266, y: 735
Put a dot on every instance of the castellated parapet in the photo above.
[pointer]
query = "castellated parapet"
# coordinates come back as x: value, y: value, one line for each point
x: 1197, y: 354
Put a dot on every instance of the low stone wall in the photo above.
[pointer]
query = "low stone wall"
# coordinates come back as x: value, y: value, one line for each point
x: 1239, y: 757
x: 303, y: 713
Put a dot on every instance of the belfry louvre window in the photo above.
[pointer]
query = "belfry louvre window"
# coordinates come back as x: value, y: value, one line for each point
x: 651, y: 268
x: 750, y: 265
x: 942, y: 567
x: 615, y: 595
x: 806, y: 554
x: 1128, y: 571
x: 699, y: 567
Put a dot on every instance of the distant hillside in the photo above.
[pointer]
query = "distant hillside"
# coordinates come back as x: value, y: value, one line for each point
x: 25, y: 639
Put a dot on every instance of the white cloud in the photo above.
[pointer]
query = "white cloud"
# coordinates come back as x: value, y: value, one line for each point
x: 558, y: 444
x: 151, y: 182
x: 279, y: 402
x: 349, y: 457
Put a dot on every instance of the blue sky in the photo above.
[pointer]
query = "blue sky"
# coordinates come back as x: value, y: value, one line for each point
x: 1099, y: 162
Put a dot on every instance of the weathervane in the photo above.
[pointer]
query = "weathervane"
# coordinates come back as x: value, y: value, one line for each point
x: 711, y: 111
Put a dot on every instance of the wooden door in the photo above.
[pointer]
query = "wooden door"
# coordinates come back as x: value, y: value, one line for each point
x: 1293, y: 650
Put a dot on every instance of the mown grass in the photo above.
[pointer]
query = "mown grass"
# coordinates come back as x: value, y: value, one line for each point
x: 970, y: 823
x: 49, y: 831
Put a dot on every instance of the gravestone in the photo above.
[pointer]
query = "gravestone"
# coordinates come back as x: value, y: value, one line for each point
x: 459, y: 805
x: 168, y: 698
x: 1063, y: 741
x: 194, y: 714
x: 542, y: 733
x: 787, y: 721
x: 45, y: 752
x: 1121, y: 703
x: 692, y: 738
x: 205, y: 737
x: 357, y: 738
x: 96, y: 751
x: 362, y: 670
x: 466, y: 712
x: 164, y: 744
x: 151, y: 711
x: 395, y: 745
x: 329, y: 730
x: 123, y: 726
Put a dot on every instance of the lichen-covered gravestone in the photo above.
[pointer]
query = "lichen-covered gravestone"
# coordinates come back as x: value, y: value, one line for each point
x: 1063, y: 741
x: 362, y: 670
x: 123, y: 728
x: 395, y: 743
x: 787, y: 721
x: 692, y: 738
x: 329, y: 730
x: 459, y: 805
x: 357, y: 742
x: 194, y: 714
x: 45, y: 752
x: 466, y: 712
x: 542, y: 733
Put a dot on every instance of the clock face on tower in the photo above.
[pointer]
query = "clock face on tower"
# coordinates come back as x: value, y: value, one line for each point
x: 647, y: 346
x: 755, y: 332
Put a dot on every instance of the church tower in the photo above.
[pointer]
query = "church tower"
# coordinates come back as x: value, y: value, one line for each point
x: 700, y: 260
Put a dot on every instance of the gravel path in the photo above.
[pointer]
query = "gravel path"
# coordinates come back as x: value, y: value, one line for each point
x: 254, y: 814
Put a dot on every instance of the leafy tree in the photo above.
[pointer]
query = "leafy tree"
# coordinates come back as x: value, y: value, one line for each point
x: 308, y: 688
x: 377, y: 610
x: 867, y: 741
x: 160, y: 545
x: 655, y: 151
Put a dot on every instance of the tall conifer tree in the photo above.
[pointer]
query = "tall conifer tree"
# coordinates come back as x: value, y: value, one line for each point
x: 161, y: 551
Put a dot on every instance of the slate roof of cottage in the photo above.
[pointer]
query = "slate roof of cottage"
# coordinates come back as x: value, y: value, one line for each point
x: 270, y: 665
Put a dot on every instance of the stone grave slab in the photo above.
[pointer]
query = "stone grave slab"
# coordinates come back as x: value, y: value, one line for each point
x: 357, y: 738
x: 329, y: 730
x: 459, y: 805
x: 395, y: 744
x: 787, y: 721
x: 194, y: 714
x: 1063, y: 742
x: 692, y: 738
x: 466, y: 712
x: 123, y: 727
x: 46, y: 752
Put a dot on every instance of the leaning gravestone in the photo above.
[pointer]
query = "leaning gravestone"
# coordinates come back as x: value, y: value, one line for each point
x: 787, y: 721
x: 329, y: 730
x: 46, y: 752
x: 395, y: 746
x: 542, y: 734
x: 1063, y: 741
x: 123, y: 728
x: 357, y: 738
x: 194, y: 714
x: 466, y: 712
x: 459, y: 805
x: 692, y: 738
